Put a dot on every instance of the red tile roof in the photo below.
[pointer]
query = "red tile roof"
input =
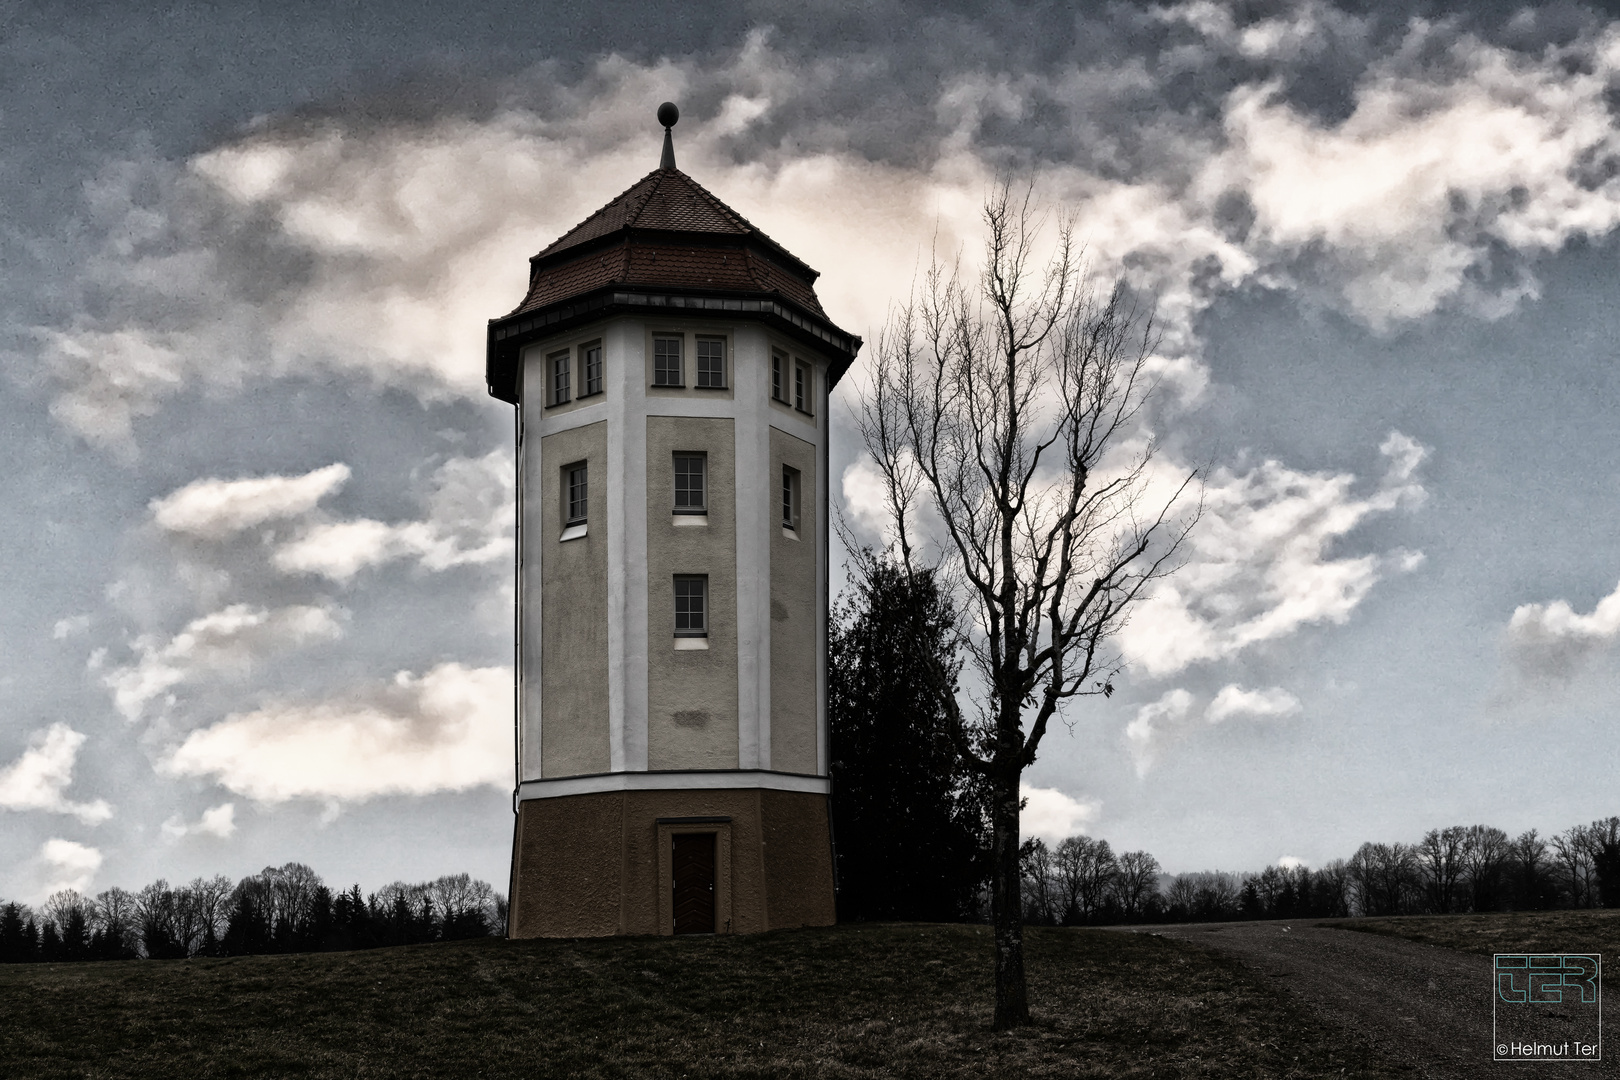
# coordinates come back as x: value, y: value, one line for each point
x: 706, y: 245
x: 666, y: 200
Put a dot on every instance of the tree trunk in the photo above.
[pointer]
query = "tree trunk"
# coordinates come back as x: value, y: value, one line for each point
x: 1006, y: 907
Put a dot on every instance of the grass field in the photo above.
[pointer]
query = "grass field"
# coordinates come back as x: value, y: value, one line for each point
x: 1511, y: 931
x: 900, y: 1000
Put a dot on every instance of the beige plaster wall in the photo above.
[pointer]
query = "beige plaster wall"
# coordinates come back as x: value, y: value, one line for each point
x: 691, y: 694
x: 593, y: 865
x: 573, y: 616
x: 793, y: 612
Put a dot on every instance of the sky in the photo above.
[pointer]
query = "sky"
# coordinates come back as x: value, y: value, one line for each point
x: 256, y: 600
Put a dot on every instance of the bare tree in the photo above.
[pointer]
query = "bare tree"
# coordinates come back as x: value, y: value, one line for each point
x: 1136, y: 882
x: 1484, y: 855
x: 1531, y: 878
x: 1384, y: 878
x: 1603, y: 841
x: 1215, y: 894
x: 1576, y: 865
x: 1330, y: 889
x: 1003, y: 407
x: 1181, y: 894
x: 1041, y: 887
x: 1439, y: 859
x: 1086, y: 870
x: 213, y: 901
x: 156, y: 916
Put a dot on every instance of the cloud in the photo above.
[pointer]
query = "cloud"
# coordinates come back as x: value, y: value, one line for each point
x: 1155, y: 725
x: 1051, y: 814
x: 449, y: 729
x: 1233, y: 700
x: 1173, y: 717
x: 72, y: 626
x: 1551, y: 641
x: 470, y: 521
x: 378, y: 248
x: 217, y: 821
x: 214, y: 509
x: 229, y: 641
x: 38, y: 780
x: 1259, y: 563
x: 1290, y: 862
x: 68, y: 864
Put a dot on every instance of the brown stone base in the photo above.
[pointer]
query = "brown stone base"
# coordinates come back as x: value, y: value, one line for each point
x: 597, y: 865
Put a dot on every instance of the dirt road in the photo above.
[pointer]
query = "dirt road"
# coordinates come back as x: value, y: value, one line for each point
x: 1416, y: 1005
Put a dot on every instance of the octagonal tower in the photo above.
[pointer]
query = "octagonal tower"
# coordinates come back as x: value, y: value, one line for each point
x: 670, y: 365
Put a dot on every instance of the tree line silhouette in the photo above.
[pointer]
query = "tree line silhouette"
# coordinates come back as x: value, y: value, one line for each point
x: 1472, y: 868
x: 281, y: 909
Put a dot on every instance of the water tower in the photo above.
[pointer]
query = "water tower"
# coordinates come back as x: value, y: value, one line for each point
x: 670, y: 365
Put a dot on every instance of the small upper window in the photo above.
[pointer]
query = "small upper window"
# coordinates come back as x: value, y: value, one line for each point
x: 803, y: 387
x: 667, y: 362
x: 691, y: 605
x: 577, y: 492
x: 560, y: 364
x: 711, y: 362
x: 790, y: 498
x: 690, y: 470
x: 591, y: 363
x: 779, y: 362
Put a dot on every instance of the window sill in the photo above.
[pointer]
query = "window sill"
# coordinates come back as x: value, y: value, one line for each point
x: 680, y: 520
x: 790, y: 533
x: 572, y: 532
x: 689, y: 644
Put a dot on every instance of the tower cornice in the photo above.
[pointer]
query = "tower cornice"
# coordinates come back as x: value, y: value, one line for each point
x: 508, y: 335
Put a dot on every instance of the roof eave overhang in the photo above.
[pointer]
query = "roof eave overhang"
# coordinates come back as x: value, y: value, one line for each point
x: 628, y: 234
x: 508, y: 335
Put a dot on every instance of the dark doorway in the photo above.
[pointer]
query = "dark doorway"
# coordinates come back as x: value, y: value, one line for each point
x: 693, y: 865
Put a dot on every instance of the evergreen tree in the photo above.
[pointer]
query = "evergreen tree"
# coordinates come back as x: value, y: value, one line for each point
x: 321, y: 930
x: 910, y: 826
x: 15, y: 946
x: 50, y: 943
x: 76, y: 936
x: 246, y: 932
x: 31, y: 941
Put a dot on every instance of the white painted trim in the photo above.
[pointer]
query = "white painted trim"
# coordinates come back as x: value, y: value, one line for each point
x: 531, y: 604
x: 573, y: 532
x: 691, y: 644
x: 673, y: 781
x: 671, y: 405
x: 689, y: 521
x: 630, y: 738
x: 751, y: 375
x: 823, y: 556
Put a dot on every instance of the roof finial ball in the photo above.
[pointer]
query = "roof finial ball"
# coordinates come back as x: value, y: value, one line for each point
x: 667, y: 115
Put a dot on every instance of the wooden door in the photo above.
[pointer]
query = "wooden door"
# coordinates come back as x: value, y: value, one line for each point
x: 693, y: 865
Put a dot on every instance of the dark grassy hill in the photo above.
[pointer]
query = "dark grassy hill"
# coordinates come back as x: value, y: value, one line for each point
x: 1586, y: 931
x: 900, y: 1000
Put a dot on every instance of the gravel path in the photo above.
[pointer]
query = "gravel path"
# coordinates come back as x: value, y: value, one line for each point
x: 1416, y: 1005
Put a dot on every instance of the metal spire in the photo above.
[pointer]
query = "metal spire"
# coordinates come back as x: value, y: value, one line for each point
x: 667, y: 115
